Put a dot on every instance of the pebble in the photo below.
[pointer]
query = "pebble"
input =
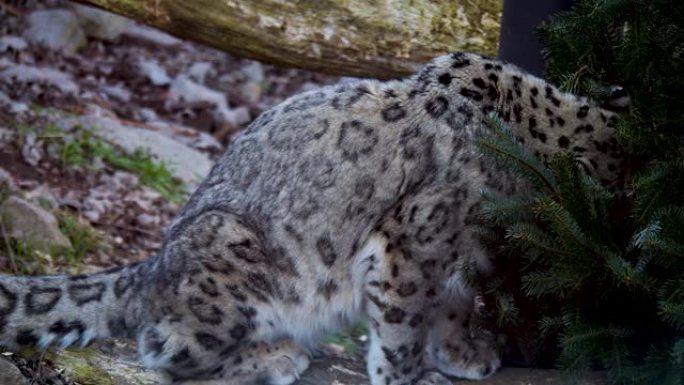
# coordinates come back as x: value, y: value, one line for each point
x: 251, y: 92
x: 101, y: 24
x: 154, y: 72
x: 200, y: 70
x: 55, y: 29
x: 118, y: 91
x: 28, y: 74
x: 147, y: 220
x: 10, y: 374
x: 148, y: 114
x: 12, y: 43
x: 254, y: 71
x: 152, y: 35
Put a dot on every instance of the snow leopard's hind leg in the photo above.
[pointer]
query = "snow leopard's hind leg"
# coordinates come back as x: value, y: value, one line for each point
x: 213, y: 283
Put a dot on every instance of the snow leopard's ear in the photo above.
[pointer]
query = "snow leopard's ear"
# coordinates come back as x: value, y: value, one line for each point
x: 618, y: 100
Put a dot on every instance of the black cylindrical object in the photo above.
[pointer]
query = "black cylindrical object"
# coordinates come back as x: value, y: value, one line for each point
x: 519, y: 43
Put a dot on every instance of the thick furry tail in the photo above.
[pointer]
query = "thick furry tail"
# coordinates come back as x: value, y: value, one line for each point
x: 71, y: 310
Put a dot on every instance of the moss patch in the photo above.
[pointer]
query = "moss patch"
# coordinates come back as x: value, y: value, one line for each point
x: 80, y: 367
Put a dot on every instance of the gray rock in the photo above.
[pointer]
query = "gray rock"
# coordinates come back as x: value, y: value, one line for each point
x: 26, y: 74
x: 101, y: 24
x: 154, y: 72
x: 32, y: 150
x: 10, y: 374
x: 12, y: 106
x: 238, y: 116
x: 6, y: 183
x: 199, y: 71
x: 14, y: 43
x: 27, y: 222
x: 189, y: 165
x: 251, y: 92
x: 254, y: 71
x: 152, y: 35
x: 147, y: 220
x: 197, y: 139
x: 55, y: 29
x: 148, y: 114
x: 118, y: 91
x: 42, y: 196
x: 185, y: 89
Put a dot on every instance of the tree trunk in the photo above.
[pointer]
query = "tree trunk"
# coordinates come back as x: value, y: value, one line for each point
x: 378, y: 39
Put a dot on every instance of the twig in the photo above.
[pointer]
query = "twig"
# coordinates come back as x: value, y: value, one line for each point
x: 35, y: 375
x: 13, y: 264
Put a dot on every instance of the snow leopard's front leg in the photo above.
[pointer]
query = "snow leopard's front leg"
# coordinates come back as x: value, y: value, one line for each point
x: 398, y: 307
x: 454, y: 349
x: 417, y: 299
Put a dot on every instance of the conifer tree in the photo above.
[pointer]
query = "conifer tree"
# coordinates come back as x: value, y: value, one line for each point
x: 600, y: 280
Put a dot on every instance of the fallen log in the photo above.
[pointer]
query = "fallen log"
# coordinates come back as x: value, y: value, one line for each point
x: 378, y: 39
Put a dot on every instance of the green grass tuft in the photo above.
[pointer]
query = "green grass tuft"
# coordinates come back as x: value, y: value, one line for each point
x: 25, y: 258
x: 85, y: 147
x: 346, y: 337
x: 84, y: 239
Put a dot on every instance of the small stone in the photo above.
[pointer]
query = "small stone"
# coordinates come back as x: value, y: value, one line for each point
x: 147, y: 220
x: 55, y: 29
x: 254, y: 71
x: 14, y: 107
x: 185, y: 89
x: 101, y: 24
x: 92, y: 215
x: 126, y: 179
x: 27, y: 222
x: 12, y: 43
x: 42, y: 196
x: 18, y: 108
x: 10, y: 374
x: 334, y: 349
x: 6, y: 182
x: 7, y: 134
x: 152, y: 35
x: 238, y: 116
x: 207, y: 142
x: 200, y: 70
x: 148, y: 114
x: 32, y: 150
x: 251, y: 92
x: 26, y: 74
x: 118, y: 91
x: 154, y: 72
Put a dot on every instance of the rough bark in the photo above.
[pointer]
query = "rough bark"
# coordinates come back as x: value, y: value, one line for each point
x: 365, y: 38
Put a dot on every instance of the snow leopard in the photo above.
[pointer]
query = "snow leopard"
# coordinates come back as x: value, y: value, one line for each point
x: 348, y: 202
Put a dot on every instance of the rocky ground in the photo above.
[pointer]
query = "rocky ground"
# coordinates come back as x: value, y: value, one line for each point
x: 105, y: 126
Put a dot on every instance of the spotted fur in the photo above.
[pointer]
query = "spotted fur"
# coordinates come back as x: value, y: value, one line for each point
x: 347, y: 202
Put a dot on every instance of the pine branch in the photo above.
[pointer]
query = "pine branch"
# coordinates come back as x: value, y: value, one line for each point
x: 671, y: 303
x: 563, y: 224
x: 537, y: 244
x: 510, y: 155
x: 502, y: 211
